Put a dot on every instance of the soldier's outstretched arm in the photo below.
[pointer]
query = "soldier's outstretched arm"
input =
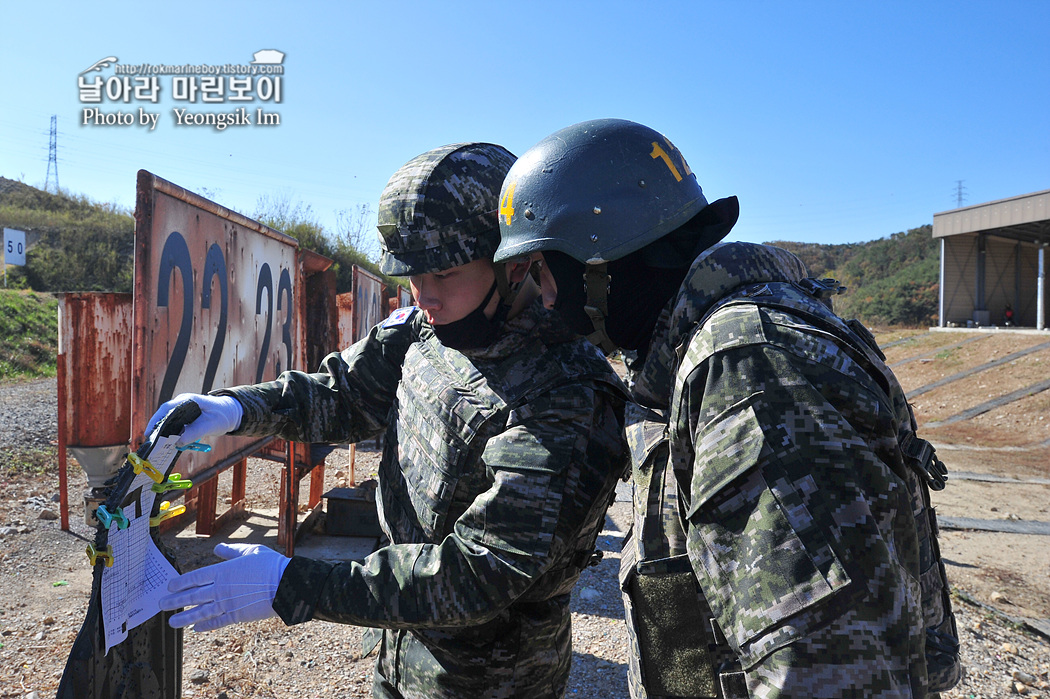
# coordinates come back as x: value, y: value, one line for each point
x: 544, y: 472
x: 239, y: 589
x: 218, y: 415
x: 347, y: 400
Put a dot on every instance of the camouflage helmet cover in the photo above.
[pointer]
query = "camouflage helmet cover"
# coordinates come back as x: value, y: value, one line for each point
x: 597, y: 191
x: 439, y: 210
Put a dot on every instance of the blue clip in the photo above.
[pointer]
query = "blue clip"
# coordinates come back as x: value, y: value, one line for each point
x: 107, y: 518
x: 196, y: 446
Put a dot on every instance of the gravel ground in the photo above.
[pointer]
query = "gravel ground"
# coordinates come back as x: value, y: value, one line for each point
x: 45, y: 585
x: 28, y: 414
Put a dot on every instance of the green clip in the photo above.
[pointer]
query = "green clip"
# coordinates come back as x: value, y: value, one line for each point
x: 174, y: 482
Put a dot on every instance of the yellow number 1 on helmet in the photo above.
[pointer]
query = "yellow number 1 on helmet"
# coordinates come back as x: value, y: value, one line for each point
x: 659, y: 152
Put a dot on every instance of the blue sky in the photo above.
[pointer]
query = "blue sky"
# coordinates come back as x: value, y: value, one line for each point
x: 832, y: 121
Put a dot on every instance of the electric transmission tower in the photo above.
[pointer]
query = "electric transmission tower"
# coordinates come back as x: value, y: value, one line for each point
x: 960, y: 193
x: 52, y: 155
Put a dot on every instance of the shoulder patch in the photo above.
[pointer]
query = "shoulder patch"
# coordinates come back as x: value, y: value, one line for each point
x: 732, y: 325
x: 399, y: 316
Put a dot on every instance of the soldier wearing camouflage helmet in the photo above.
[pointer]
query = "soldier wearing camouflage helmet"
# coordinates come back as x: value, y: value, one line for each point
x: 438, y: 213
x: 503, y: 445
x: 783, y: 542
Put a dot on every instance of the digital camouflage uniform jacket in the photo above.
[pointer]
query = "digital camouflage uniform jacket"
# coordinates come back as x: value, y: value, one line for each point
x: 800, y: 523
x: 498, y: 468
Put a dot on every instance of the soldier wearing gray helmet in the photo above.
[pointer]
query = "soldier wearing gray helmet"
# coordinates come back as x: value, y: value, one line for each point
x: 783, y: 542
x: 503, y: 447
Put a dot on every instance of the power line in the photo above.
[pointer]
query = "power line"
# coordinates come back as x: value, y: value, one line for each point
x: 52, y: 154
x: 960, y: 193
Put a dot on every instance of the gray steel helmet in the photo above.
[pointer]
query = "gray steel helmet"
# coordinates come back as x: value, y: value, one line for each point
x: 439, y: 210
x: 597, y: 191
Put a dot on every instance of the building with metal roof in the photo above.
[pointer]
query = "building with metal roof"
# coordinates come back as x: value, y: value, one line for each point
x: 993, y: 262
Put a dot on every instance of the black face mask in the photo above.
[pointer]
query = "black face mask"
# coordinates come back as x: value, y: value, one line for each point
x: 473, y: 330
x: 568, y: 275
x: 637, y: 294
x: 643, y: 281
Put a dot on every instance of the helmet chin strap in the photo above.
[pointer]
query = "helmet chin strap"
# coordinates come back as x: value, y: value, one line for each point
x: 596, y: 282
x: 507, y: 293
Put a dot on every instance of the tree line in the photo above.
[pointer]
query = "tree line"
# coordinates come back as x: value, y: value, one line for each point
x: 890, y: 281
x: 80, y: 245
x: 75, y: 244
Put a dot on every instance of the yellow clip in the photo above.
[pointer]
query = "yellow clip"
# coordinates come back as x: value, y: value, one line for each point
x: 166, y: 513
x: 106, y: 556
x: 139, y: 465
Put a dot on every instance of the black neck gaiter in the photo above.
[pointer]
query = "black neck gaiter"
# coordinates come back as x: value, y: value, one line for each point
x: 637, y: 294
x: 642, y: 282
x: 473, y: 330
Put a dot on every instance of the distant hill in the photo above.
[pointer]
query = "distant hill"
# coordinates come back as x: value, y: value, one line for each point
x: 73, y: 244
x: 890, y: 281
x: 79, y: 245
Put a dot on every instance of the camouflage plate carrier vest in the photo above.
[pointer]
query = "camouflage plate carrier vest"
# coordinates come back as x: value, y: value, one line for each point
x: 677, y: 650
x: 449, y: 406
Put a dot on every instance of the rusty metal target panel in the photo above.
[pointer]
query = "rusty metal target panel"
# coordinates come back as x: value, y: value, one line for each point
x: 216, y: 303
x: 94, y: 336
x: 368, y: 308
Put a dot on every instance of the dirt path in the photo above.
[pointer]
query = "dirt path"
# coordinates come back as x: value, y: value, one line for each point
x: 45, y: 580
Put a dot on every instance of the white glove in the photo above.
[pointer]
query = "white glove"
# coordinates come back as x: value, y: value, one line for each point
x: 239, y: 589
x: 219, y: 415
